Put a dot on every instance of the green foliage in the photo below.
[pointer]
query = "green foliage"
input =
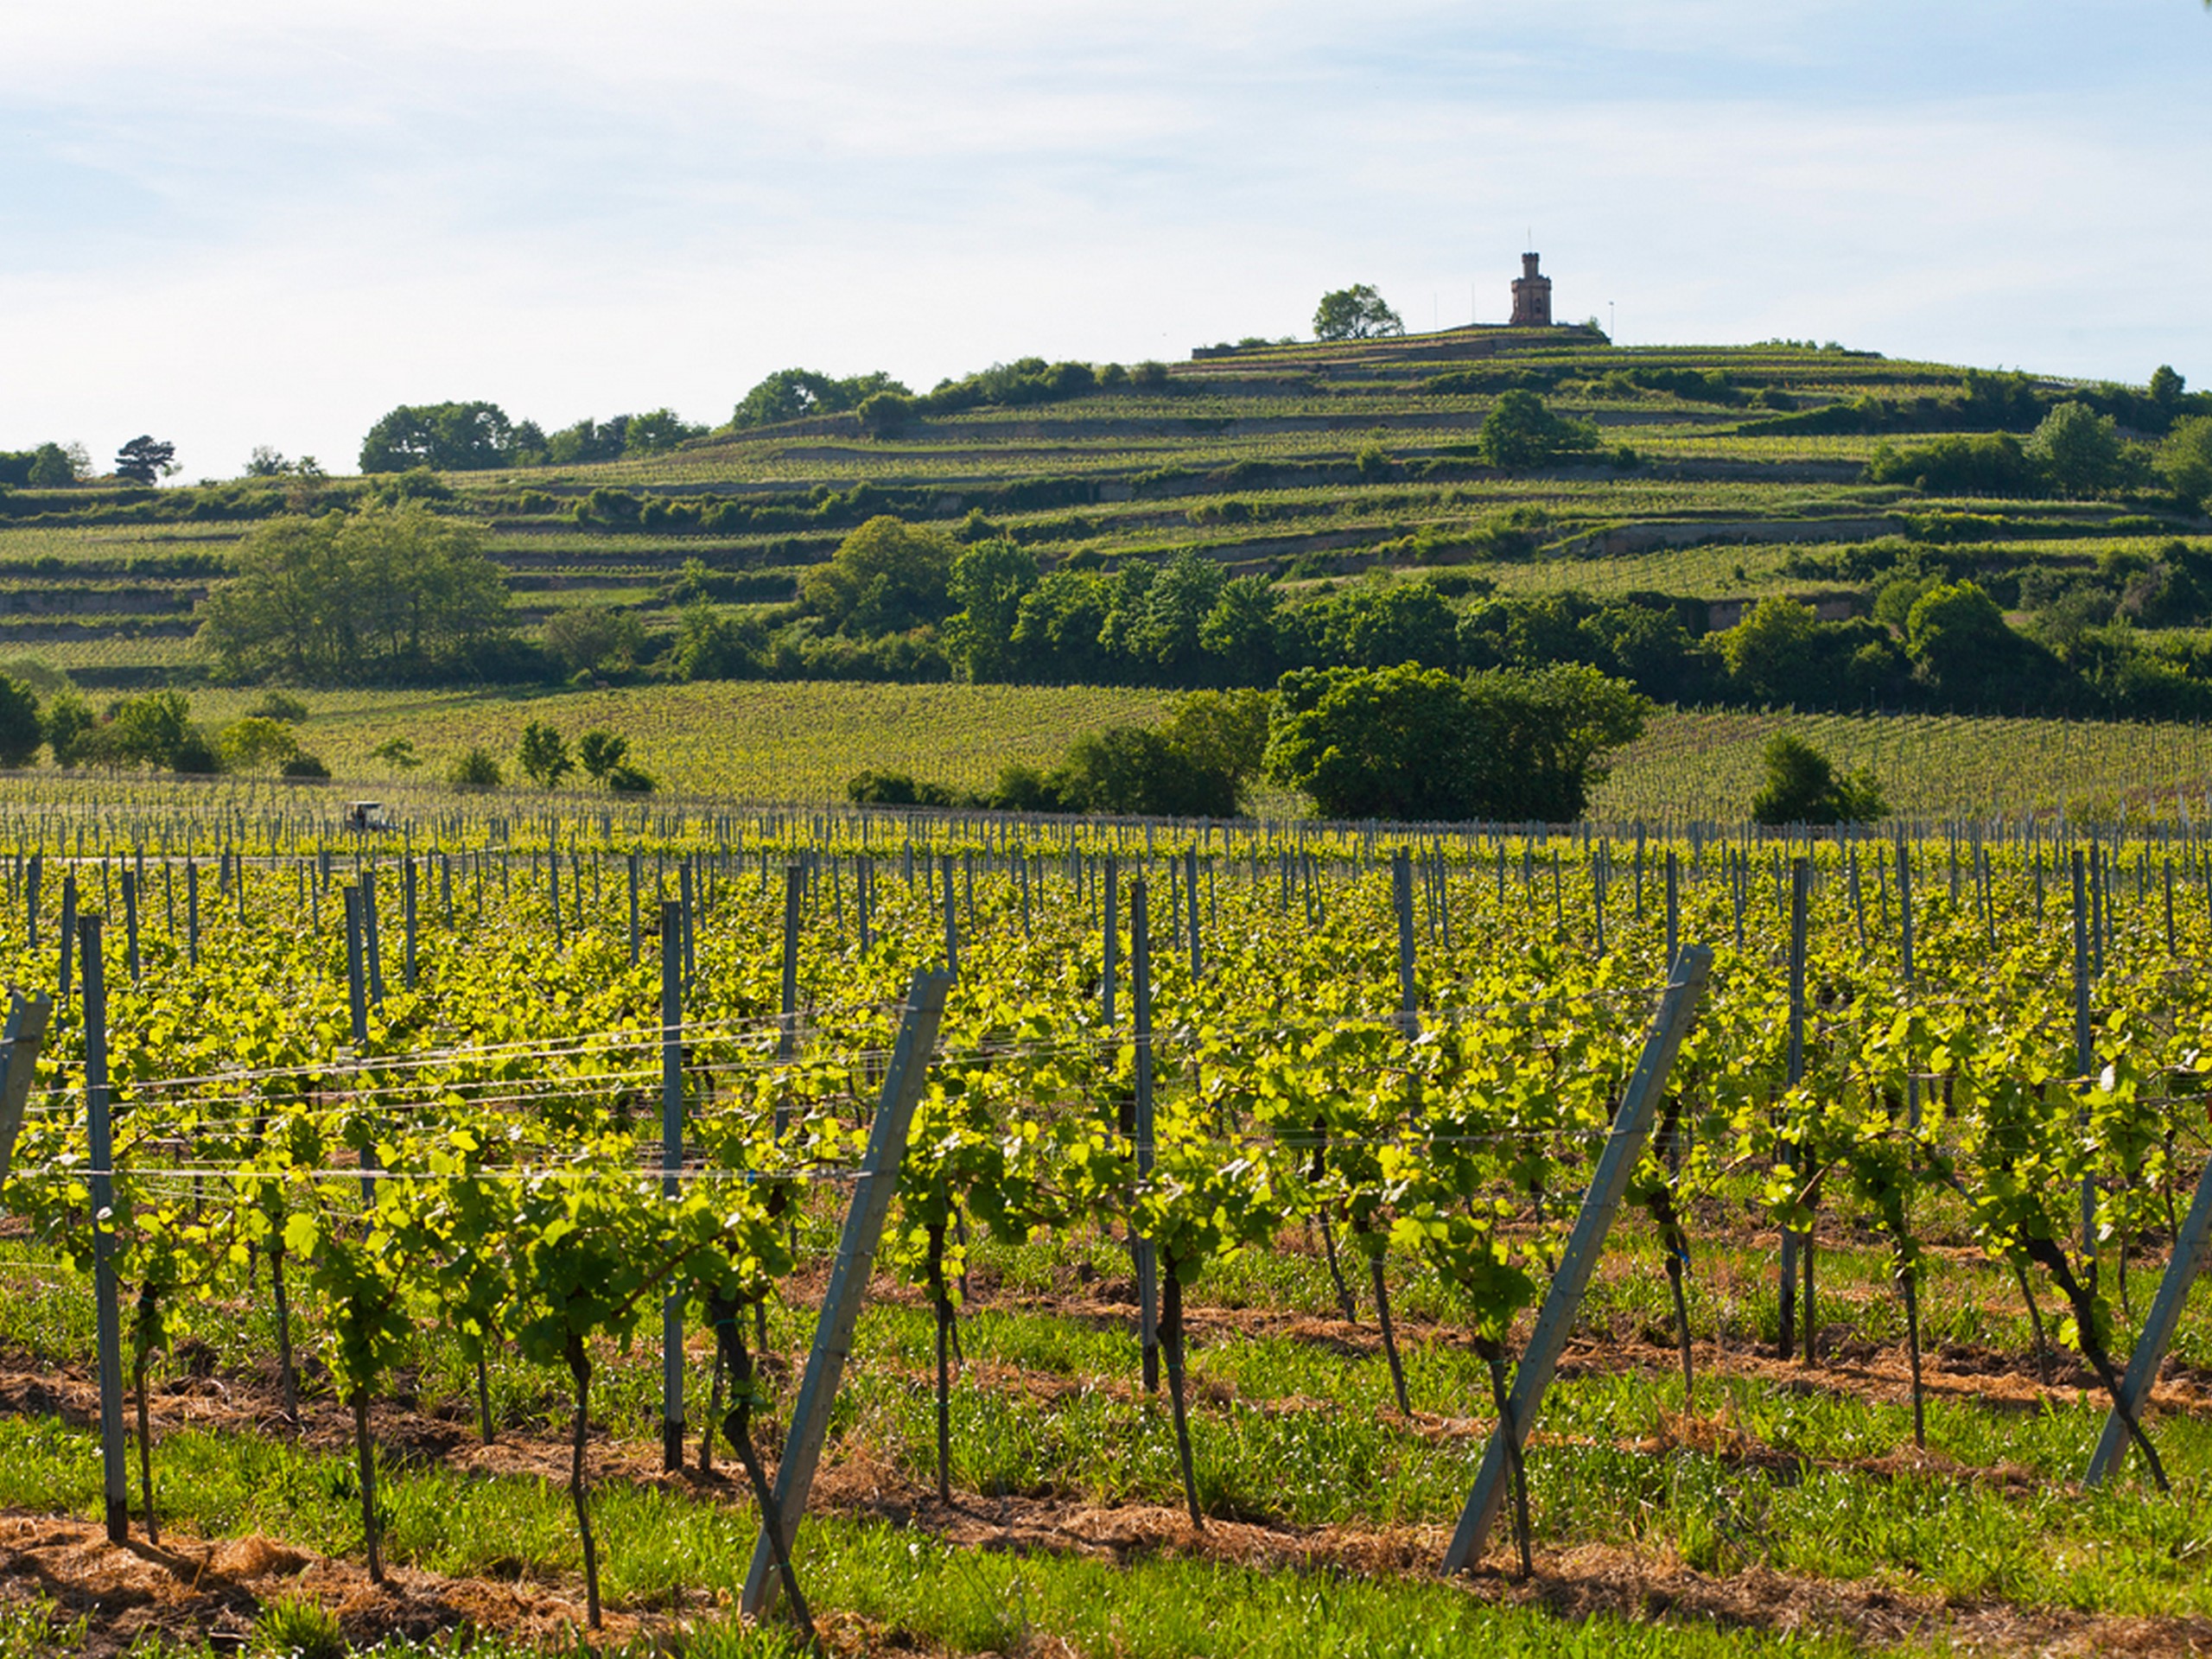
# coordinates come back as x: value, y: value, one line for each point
x: 2078, y: 450
x: 885, y: 577
x: 989, y: 580
x: 886, y: 413
x: 474, y: 769
x: 453, y: 437
x: 379, y: 593
x: 875, y: 788
x: 1767, y: 651
x: 293, y: 1627
x: 601, y: 752
x: 1984, y: 464
x: 1355, y: 313
x: 1801, y: 787
x: 1141, y: 771
x: 305, y: 768
x: 279, y: 705
x: 143, y: 460
x: 69, y: 723
x: 21, y: 731
x: 1521, y: 432
x: 255, y: 743
x: 623, y: 779
x: 1418, y: 744
x: 543, y: 754
x: 2185, y: 460
x: 595, y: 639
x: 797, y: 394
x: 397, y: 752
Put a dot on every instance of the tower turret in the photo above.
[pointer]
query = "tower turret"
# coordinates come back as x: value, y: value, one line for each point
x: 1531, y: 295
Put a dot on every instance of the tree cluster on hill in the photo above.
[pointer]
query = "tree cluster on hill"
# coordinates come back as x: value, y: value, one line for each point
x: 1403, y: 742
x: 477, y: 437
x: 48, y: 466
x: 383, y: 593
x: 909, y: 602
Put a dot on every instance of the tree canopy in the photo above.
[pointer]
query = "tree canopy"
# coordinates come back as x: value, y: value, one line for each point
x: 1414, y: 743
x: 794, y: 394
x: 380, y: 594
x: 1520, y: 431
x: 887, y: 577
x: 1355, y: 313
x: 448, y: 437
x: 1800, y: 786
x: 145, y: 459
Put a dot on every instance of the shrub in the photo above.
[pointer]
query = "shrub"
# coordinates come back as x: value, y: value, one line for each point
x: 279, y: 705
x: 894, y: 789
x: 626, y: 779
x: 475, y: 770
x: 305, y: 768
x: 21, y: 731
x: 1520, y: 431
x: 1802, y: 788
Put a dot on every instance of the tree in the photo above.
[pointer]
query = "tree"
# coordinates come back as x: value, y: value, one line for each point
x: 1957, y: 638
x: 2078, y: 450
x: 145, y: 459
x: 600, y: 752
x: 1139, y: 770
x: 1766, y: 653
x: 448, y: 437
x: 267, y: 462
x: 1355, y: 313
x: 53, y: 468
x: 69, y: 724
x: 658, y: 431
x: 279, y: 705
x: 543, y: 755
x: 595, y: 640
x: 253, y: 742
x: 2185, y: 459
x: 1520, y: 431
x: 150, y: 729
x: 885, y: 414
x: 397, y: 752
x: 21, y: 730
x: 1418, y: 743
x: 989, y: 580
x: 383, y: 593
x: 1801, y: 787
x: 1222, y: 731
x: 885, y: 577
x: 795, y: 394
x: 626, y: 779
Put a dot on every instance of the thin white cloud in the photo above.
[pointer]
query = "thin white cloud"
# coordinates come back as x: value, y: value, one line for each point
x: 244, y: 223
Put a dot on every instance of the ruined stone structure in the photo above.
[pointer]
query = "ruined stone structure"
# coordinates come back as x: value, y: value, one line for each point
x: 1532, y: 296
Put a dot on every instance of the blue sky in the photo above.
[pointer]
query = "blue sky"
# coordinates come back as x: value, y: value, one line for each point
x: 235, y: 222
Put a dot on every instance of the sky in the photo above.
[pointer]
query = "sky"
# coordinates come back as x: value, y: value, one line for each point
x: 237, y: 222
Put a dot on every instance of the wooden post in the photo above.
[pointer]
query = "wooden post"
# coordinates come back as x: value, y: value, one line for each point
x: 848, y: 1277
x: 27, y: 1018
x: 1146, y: 1256
x: 2085, y: 1054
x: 672, y: 1166
x: 1402, y: 896
x: 1624, y: 1146
x: 106, y: 1305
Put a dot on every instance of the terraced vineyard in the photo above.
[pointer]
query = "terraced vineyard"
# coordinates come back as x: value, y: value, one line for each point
x: 1301, y: 462
x: 396, y: 1202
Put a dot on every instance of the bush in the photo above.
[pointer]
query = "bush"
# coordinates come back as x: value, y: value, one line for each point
x: 21, y: 730
x: 1802, y: 788
x: 305, y: 768
x: 894, y: 789
x: 195, y: 755
x: 279, y: 705
x: 475, y: 770
x: 626, y: 779
x: 1520, y: 431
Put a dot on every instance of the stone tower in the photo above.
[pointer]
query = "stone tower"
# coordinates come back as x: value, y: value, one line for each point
x: 1532, y: 296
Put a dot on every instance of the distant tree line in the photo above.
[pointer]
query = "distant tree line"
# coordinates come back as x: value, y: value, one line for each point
x: 1404, y: 742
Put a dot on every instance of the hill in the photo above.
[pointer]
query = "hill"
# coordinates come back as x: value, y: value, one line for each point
x: 1351, y: 484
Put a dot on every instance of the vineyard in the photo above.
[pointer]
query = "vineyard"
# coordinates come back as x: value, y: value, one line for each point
x: 739, y: 1231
